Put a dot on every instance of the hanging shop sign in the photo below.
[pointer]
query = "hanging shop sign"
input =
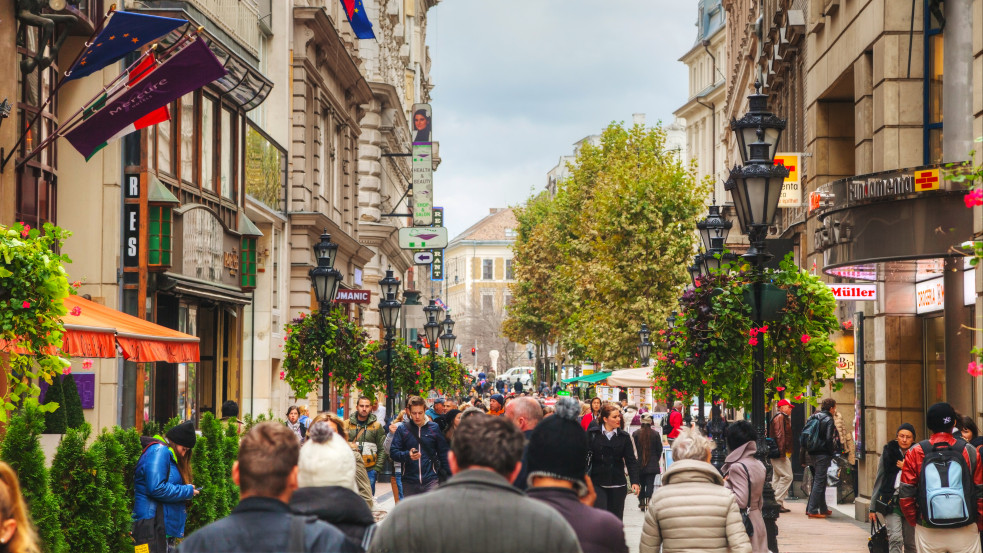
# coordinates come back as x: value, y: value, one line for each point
x: 353, y: 296
x: 854, y: 292
x: 422, y: 165
x: 846, y: 366
x: 792, y: 187
x: 437, y: 265
x: 422, y: 238
x: 929, y: 296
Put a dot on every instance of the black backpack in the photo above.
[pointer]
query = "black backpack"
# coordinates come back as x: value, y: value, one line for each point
x: 812, y: 438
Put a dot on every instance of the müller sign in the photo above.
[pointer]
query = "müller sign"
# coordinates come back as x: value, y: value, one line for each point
x: 853, y: 292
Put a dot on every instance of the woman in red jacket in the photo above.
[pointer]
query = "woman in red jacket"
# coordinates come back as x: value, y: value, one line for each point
x: 593, y: 415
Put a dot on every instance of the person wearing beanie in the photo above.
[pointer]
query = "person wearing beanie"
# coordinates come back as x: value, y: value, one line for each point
x: 780, y: 430
x: 162, y: 480
x: 496, y: 405
x: 326, y: 483
x: 884, y: 504
x: 556, y: 455
x: 929, y: 537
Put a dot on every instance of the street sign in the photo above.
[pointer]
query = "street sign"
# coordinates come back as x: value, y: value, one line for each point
x: 437, y: 265
x: 422, y: 238
x: 422, y: 258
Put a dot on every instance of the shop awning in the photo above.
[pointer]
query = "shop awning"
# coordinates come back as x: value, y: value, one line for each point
x: 97, y: 330
x: 589, y: 379
x: 632, y: 378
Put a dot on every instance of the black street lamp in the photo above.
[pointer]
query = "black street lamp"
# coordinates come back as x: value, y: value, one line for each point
x: 448, y: 339
x: 325, y: 280
x: 432, y: 329
x: 713, y: 232
x: 696, y: 269
x: 389, y: 313
x: 644, y: 345
x: 756, y: 188
x: 671, y: 319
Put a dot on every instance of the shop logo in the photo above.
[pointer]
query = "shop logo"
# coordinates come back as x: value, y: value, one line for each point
x: 926, y: 180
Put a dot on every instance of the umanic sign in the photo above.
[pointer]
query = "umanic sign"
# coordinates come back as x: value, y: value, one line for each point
x: 854, y: 292
x: 353, y: 296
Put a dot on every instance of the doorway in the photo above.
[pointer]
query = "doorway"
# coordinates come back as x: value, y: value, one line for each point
x: 933, y: 331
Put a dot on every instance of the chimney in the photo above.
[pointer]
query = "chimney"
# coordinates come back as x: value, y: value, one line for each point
x: 494, y: 210
x: 638, y: 118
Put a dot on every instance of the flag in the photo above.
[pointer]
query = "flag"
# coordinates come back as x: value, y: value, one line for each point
x: 440, y: 303
x: 191, y: 68
x: 122, y: 34
x: 359, y: 20
x: 142, y: 69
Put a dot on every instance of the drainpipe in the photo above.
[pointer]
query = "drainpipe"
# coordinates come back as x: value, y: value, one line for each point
x: 252, y: 354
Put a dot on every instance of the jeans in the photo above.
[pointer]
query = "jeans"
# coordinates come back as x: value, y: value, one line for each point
x: 647, y: 487
x: 900, y: 534
x: 412, y: 486
x: 372, y: 476
x: 612, y: 500
x: 817, y: 499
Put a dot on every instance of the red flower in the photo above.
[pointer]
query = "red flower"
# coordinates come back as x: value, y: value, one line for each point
x: 66, y: 370
x: 769, y: 379
x: 798, y: 397
x: 764, y: 328
x: 662, y: 332
x: 418, y: 373
x: 780, y: 389
x: 26, y: 304
x: 316, y: 369
x: 77, y: 284
x: 76, y: 311
x: 25, y: 231
x: 848, y: 325
x: 282, y: 375
x: 974, y: 198
x: 975, y: 369
x: 330, y: 374
x: 416, y: 382
x: 753, y: 341
x: 87, y: 364
x: 703, y: 381
x: 805, y: 338
x: 302, y: 314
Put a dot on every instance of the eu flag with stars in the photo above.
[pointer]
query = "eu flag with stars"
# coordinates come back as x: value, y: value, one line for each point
x: 122, y: 34
x: 355, y: 11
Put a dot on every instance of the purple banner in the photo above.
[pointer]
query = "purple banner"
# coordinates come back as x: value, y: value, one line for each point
x: 86, y: 384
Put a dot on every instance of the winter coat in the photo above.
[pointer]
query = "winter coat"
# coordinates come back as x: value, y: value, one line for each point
x: 336, y: 505
x: 780, y: 429
x: 692, y: 511
x: 913, y: 468
x: 736, y: 480
x: 586, y: 420
x: 610, y: 457
x: 409, y: 436
x: 157, y: 483
x: 675, y: 421
x: 887, y: 474
x: 846, y: 438
x: 368, y: 436
x: 598, y: 531
x: 455, y: 517
x: 655, y: 452
x: 262, y: 525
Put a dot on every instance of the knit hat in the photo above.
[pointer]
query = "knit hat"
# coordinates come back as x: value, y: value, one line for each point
x: 326, y: 459
x: 940, y: 417
x: 784, y: 402
x: 499, y: 398
x: 558, y: 446
x: 907, y: 426
x: 183, y: 434
x: 647, y: 418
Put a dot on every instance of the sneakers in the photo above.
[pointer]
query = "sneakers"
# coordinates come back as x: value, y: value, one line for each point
x: 818, y: 515
x: 784, y: 510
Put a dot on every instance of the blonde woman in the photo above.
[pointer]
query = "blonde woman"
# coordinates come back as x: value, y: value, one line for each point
x: 16, y: 532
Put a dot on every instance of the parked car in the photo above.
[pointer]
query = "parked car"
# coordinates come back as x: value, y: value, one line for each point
x: 519, y: 373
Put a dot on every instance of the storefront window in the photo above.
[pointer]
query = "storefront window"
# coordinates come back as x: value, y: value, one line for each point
x: 36, y: 191
x: 207, y: 144
x: 247, y: 265
x: 165, y: 147
x: 227, y: 169
x: 934, y: 355
x: 160, y: 235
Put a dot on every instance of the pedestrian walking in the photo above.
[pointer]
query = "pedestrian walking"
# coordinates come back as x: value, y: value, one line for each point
x: 525, y: 413
x: 266, y: 473
x: 230, y: 415
x: 884, y: 502
x: 470, y: 511
x: 556, y: 455
x: 448, y: 422
x: 293, y: 423
x: 820, y: 442
x: 648, y: 443
x: 593, y: 415
x: 162, y: 487
x: 612, y: 453
x: 675, y: 421
x: 745, y: 476
x: 692, y: 511
x: 496, y: 405
x: 969, y: 431
x: 781, y: 431
x: 518, y: 387
x: 421, y: 448
x: 369, y: 437
x: 437, y: 409
x: 946, y: 524
x: 17, y: 534
x: 326, y: 484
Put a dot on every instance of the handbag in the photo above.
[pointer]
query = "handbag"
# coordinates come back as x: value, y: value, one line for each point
x: 368, y: 450
x: 746, y: 512
x: 148, y: 534
x: 877, y: 542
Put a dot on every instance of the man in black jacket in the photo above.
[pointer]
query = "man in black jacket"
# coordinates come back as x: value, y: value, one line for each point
x: 266, y: 473
x: 821, y: 457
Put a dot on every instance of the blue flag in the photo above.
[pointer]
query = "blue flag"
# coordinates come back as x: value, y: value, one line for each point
x: 355, y: 11
x: 122, y: 34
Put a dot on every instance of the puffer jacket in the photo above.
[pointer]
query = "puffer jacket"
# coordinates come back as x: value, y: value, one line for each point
x: 692, y: 511
x: 157, y: 483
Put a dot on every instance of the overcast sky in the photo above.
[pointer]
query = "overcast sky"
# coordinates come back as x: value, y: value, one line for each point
x: 519, y: 81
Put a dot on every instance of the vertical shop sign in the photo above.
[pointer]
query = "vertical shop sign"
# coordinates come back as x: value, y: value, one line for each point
x: 422, y: 165
x: 437, y: 263
x: 792, y: 187
x: 131, y: 222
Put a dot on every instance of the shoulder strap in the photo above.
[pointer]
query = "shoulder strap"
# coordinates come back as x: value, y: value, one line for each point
x: 296, y: 542
x: 747, y: 476
x: 167, y: 476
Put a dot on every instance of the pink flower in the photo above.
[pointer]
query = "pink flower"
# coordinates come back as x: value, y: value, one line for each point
x: 283, y: 375
x: 87, y: 364
x: 76, y: 311
x: 418, y: 373
x: 26, y: 304
x: 416, y: 382
x: 974, y: 198
x: 330, y: 374
x: 805, y: 338
x: 27, y: 229
x: 285, y: 338
x: 77, y: 284
x: 975, y: 369
x: 753, y: 341
x: 66, y: 370
x: 848, y: 325
x: 302, y: 314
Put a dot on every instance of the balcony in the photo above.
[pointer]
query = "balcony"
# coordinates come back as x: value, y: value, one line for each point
x: 239, y: 19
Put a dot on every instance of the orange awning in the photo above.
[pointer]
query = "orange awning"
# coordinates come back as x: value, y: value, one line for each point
x: 97, y: 330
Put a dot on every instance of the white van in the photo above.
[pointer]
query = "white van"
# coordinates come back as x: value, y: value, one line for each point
x: 520, y: 373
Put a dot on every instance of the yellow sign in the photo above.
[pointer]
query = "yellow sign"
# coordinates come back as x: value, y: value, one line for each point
x: 792, y: 187
x: 926, y: 180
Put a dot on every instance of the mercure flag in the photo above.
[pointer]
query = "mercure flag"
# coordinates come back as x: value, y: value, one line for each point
x: 189, y: 69
x: 355, y: 10
x: 122, y: 34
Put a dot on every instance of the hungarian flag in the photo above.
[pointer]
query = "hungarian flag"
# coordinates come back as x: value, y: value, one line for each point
x: 359, y: 20
x: 144, y: 68
x: 193, y: 67
x: 122, y: 34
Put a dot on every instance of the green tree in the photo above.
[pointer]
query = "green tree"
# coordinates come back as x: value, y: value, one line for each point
x: 81, y: 486
x: 55, y: 421
x: 74, y: 416
x: 115, y: 464
x: 203, y: 506
x: 21, y: 449
x: 231, y: 454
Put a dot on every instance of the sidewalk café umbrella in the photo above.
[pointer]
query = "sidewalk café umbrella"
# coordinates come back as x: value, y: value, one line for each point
x: 94, y: 330
x: 632, y: 378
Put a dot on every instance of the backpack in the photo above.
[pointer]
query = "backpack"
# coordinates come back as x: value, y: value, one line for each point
x: 946, y: 492
x: 812, y: 438
x: 667, y: 426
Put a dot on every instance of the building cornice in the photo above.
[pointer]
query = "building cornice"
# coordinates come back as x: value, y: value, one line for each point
x: 315, y: 223
x: 330, y: 51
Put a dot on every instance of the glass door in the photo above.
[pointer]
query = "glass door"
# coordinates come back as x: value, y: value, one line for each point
x: 934, y: 362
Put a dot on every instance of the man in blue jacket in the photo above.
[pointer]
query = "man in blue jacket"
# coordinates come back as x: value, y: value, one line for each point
x: 421, y: 448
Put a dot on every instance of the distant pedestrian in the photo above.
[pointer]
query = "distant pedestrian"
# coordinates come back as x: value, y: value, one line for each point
x: 437, y: 409
x: 612, y: 454
x: 716, y: 430
x: 162, y: 483
x: 496, y: 405
x: 745, y: 476
x: 305, y: 416
x: 230, y: 415
x: 266, y: 473
x: 17, y: 534
x: 500, y: 386
x: 675, y: 421
x: 949, y: 523
x: 557, y: 464
x: 448, y: 423
x: 494, y: 518
x: 820, y: 442
x: 648, y: 443
x: 594, y: 414
x: 293, y: 423
x: 421, y: 448
x: 525, y: 413
x: 780, y: 430
x: 969, y: 431
x: 518, y: 387
x: 884, y: 499
x: 692, y: 511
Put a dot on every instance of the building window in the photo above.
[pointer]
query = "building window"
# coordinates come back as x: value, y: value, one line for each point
x: 188, y: 145
x: 207, y: 144
x: 487, y: 269
x: 509, y: 270
x: 933, y: 87
x: 227, y: 167
x: 508, y: 300
x: 165, y: 153
x: 160, y: 236
x: 487, y: 303
x: 247, y: 264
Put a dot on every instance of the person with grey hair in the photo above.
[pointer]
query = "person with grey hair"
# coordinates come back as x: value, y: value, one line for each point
x: 692, y: 485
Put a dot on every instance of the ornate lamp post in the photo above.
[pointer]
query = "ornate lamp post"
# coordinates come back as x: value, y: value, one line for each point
x: 325, y: 280
x: 389, y: 313
x: 432, y: 329
x: 448, y: 338
x: 644, y: 345
x: 756, y: 188
x: 713, y: 232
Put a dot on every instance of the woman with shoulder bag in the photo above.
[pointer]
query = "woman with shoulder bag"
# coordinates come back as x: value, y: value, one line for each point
x: 611, y: 452
x: 162, y: 487
x: 648, y: 443
x: 745, y: 476
x: 884, y: 501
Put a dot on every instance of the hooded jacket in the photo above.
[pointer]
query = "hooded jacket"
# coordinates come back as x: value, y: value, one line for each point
x: 157, y: 483
x: 336, y: 505
x: 692, y: 511
x: 371, y: 433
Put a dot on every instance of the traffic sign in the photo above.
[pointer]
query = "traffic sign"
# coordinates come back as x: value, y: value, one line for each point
x: 423, y: 258
x: 422, y: 238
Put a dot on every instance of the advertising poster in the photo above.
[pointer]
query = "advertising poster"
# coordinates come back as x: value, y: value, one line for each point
x: 422, y: 129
